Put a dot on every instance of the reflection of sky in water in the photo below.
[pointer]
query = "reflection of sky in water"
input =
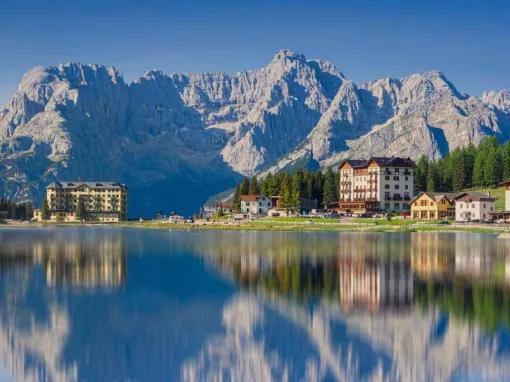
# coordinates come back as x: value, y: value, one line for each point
x: 101, y: 304
x: 6, y: 375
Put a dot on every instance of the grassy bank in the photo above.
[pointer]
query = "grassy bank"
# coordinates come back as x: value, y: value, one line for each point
x: 304, y: 224
x: 301, y: 224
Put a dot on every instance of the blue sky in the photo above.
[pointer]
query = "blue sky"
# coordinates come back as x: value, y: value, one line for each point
x: 365, y: 39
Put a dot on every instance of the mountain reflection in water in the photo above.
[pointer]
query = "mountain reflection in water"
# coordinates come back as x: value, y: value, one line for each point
x: 102, y: 304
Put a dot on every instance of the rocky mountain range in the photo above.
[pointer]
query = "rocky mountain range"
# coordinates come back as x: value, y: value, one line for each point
x: 177, y: 138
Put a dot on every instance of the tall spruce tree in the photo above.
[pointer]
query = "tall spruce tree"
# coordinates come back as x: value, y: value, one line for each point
x: 295, y: 197
x: 505, y: 160
x: 245, y: 187
x: 254, y: 188
x: 432, y: 177
x: 491, y: 169
x: 286, y: 193
x: 45, y: 210
x: 469, y: 162
x: 81, y: 210
x: 330, y: 192
x: 236, y: 199
x: 271, y: 185
x: 458, y: 171
x: 421, y: 174
x: 478, y: 170
x: 309, y: 186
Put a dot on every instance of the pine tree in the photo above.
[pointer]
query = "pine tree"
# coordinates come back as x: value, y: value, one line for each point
x: 253, y: 188
x: 245, y: 187
x: 505, y: 160
x: 236, y: 199
x: 469, y: 161
x: 478, y: 170
x: 432, y: 178
x: 491, y: 167
x: 45, y: 211
x: 81, y: 210
x: 329, y: 191
x: 295, y: 196
x: 286, y: 193
x: 318, y: 187
x: 458, y: 172
x: 421, y: 174
x: 309, y: 180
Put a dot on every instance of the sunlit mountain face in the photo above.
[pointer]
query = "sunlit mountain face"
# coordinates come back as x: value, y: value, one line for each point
x: 104, y: 304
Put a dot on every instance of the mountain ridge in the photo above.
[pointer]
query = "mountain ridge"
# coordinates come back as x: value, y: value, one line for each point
x: 177, y: 138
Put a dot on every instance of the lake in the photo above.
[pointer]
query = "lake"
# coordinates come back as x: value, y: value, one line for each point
x: 122, y: 304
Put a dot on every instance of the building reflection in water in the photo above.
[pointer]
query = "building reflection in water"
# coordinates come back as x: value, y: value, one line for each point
x: 96, y: 260
x: 374, y: 272
x: 374, y: 283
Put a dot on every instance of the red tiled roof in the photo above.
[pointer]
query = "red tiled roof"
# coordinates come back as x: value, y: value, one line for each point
x: 225, y: 204
x: 249, y: 198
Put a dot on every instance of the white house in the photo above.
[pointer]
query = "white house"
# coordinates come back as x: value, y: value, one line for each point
x: 255, y: 204
x: 473, y: 206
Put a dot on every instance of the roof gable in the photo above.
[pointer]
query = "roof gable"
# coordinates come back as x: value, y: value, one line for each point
x: 380, y: 161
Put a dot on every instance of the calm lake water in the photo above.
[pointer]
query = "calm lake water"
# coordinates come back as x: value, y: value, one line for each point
x: 119, y: 304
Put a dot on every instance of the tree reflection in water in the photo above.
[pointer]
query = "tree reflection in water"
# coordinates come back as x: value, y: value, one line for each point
x: 467, y: 277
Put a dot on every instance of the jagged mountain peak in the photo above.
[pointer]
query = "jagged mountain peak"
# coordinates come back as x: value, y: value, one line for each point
x: 422, y: 86
x: 288, y: 54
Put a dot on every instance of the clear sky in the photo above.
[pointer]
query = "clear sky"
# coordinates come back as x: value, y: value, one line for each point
x: 366, y: 39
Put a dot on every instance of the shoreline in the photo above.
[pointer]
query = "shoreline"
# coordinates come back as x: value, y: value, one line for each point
x: 292, y: 225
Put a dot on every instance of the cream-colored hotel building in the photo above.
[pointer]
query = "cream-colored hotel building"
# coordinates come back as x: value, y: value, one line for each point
x: 103, y: 201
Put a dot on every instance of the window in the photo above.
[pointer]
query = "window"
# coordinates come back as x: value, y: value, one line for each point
x: 473, y: 205
x: 387, y: 177
x: 395, y: 177
x: 406, y: 178
x: 387, y: 206
x: 397, y: 186
x: 406, y: 187
x: 397, y: 170
x: 386, y: 186
x: 397, y: 206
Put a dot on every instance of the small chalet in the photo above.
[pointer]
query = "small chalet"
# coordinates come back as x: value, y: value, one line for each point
x: 255, y: 204
x: 226, y: 206
x: 473, y: 206
x: 433, y: 206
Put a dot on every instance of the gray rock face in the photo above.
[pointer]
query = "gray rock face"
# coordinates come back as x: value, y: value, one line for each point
x: 422, y: 114
x: 177, y: 138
